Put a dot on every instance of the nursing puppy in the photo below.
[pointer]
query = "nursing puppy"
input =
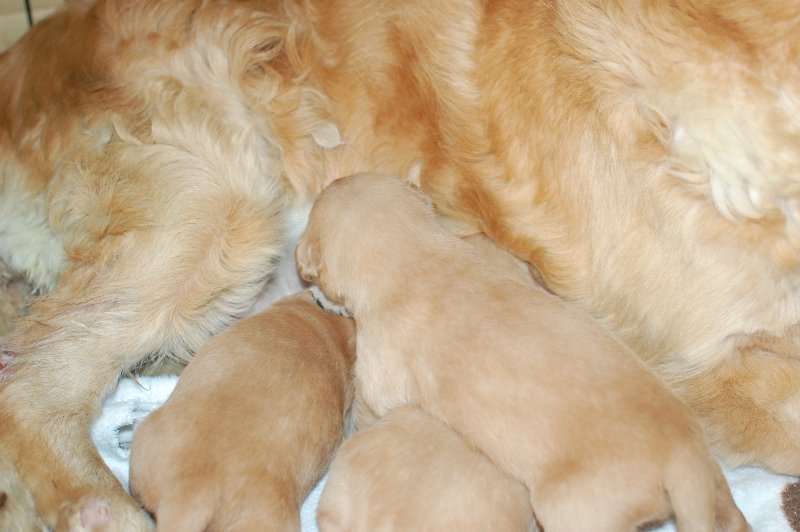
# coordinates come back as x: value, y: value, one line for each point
x: 540, y: 388
x: 409, y: 471
x: 251, y: 425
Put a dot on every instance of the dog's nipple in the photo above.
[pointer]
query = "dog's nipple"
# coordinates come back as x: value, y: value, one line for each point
x: 5, y: 360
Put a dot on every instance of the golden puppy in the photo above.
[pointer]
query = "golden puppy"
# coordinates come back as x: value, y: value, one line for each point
x: 539, y: 387
x: 409, y: 471
x: 251, y: 425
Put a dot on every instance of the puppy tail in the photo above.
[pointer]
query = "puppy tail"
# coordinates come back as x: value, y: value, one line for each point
x: 702, y: 502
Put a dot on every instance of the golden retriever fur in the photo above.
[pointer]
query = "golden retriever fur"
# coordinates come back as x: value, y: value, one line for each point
x: 539, y: 387
x: 409, y: 471
x: 145, y: 199
x: 642, y: 156
x: 16, y: 502
x: 252, y: 424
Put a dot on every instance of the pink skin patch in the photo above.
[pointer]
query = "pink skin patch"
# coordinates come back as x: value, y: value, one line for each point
x: 5, y: 361
x: 95, y: 513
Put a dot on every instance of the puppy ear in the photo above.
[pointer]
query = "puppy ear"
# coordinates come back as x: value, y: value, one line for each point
x: 306, y: 255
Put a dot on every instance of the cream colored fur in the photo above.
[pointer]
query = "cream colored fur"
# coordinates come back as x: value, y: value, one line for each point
x: 546, y: 393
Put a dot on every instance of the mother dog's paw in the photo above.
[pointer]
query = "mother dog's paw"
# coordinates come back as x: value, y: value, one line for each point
x: 95, y: 513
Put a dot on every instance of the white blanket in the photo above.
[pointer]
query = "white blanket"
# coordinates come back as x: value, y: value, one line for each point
x: 757, y: 492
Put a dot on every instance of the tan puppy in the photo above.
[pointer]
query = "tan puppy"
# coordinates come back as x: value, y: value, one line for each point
x: 409, y: 471
x: 539, y: 387
x: 251, y: 425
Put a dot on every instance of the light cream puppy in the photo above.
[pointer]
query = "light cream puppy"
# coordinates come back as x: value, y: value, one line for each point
x: 409, y: 471
x: 539, y: 387
x: 251, y: 425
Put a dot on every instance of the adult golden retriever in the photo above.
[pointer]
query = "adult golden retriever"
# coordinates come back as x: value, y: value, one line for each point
x: 643, y: 156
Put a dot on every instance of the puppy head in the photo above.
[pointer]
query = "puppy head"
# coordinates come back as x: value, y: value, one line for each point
x: 373, y: 203
x: 359, y: 222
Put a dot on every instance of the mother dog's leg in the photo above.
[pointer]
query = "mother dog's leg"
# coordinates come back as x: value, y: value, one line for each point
x: 163, y: 184
x: 160, y: 289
